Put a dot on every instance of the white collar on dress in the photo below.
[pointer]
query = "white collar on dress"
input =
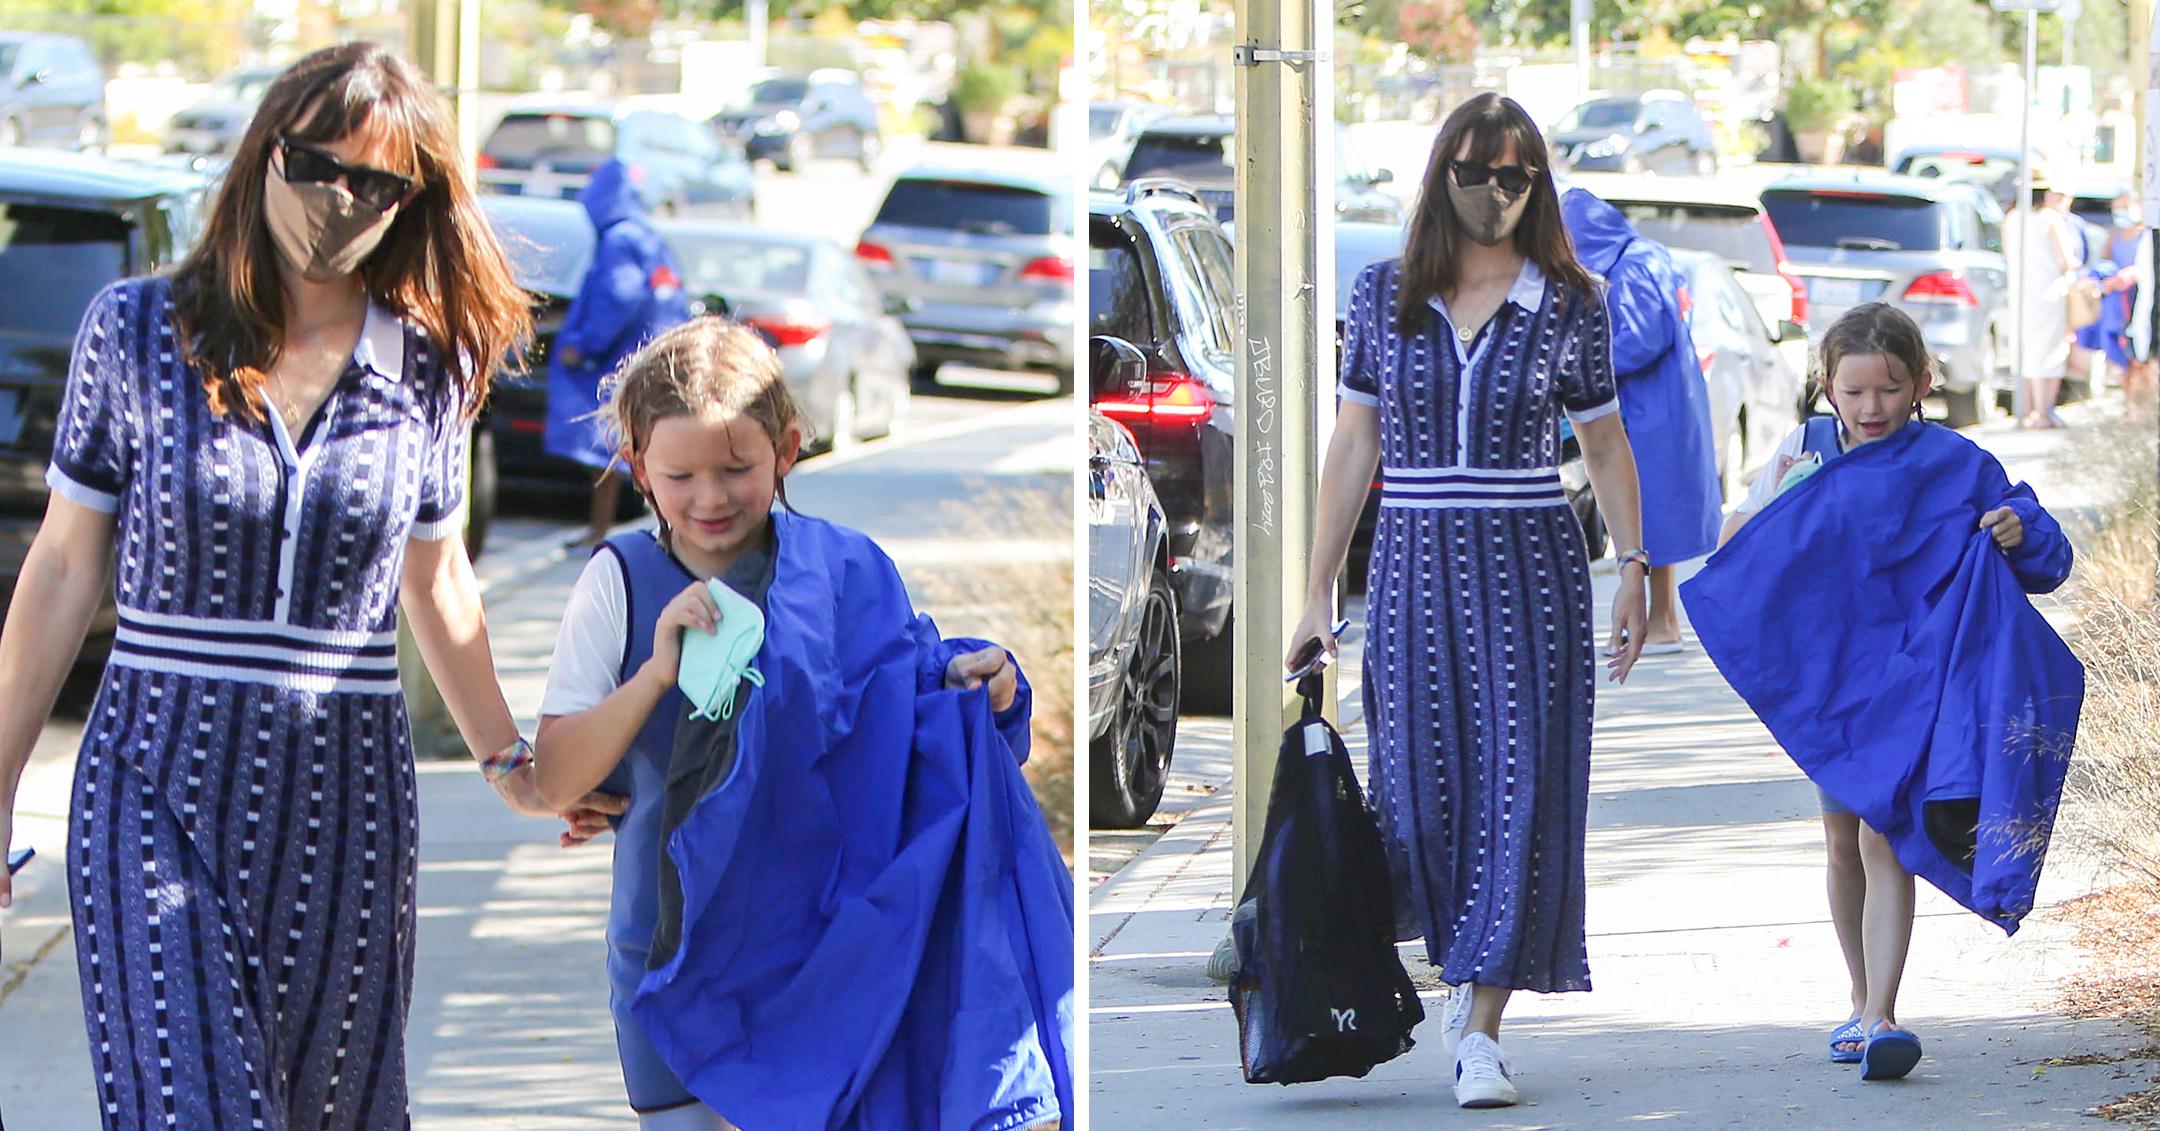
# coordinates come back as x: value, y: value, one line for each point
x: 381, y: 348
x: 1528, y: 291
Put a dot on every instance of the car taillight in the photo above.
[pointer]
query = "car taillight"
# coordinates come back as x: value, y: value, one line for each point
x: 789, y: 331
x: 487, y: 161
x: 1169, y: 397
x: 1946, y: 287
x: 1048, y: 269
x: 875, y: 256
x: 1784, y: 268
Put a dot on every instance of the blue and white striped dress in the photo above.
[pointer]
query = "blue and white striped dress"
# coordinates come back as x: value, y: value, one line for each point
x: 1479, y: 664
x: 243, y: 845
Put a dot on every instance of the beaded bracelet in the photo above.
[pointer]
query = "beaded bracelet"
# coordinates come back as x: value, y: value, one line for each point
x: 1642, y: 556
x: 501, y: 764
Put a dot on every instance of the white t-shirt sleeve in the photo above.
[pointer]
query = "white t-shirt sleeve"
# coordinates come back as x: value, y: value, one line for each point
x: 1765, y: 486
x: 589, y: 647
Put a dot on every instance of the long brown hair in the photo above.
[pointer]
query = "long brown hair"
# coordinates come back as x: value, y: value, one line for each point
x: 439, y: 265
x: 1429, y: 255
x: 1878, y: 328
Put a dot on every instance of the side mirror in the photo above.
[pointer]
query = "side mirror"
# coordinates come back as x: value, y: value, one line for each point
x: 1788, y: 331
x: 43, y: 75
x: 1116, y: 368
x: 713, y: 304
x: 897, y: 305
x: 1383, y: 176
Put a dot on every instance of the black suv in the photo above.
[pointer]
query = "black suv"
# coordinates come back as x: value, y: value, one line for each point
x: 75, y: 224
x: 1160, y: 276
x: 1652, y: 133
x: 793, y: 119
x: 1202, y: 152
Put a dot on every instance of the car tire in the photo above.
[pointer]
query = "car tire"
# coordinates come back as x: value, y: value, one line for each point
x: 1131, y: 762
x: 1210, y: 670
x: 480, y: 491
x: 923, y: 378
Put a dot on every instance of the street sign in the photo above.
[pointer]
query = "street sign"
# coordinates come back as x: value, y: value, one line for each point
x: 2045, y: 7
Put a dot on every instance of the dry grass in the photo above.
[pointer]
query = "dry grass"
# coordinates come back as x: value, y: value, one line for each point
x: 1027, y: 606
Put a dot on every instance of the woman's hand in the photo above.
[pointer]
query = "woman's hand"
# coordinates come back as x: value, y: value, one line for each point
x: 1630, y: 622
x: 989, y: 666
x: 521, y: 793
x: 2006, y: 526
x: 693, y: 608
x: 590, y: 818
x: 1318, y: 621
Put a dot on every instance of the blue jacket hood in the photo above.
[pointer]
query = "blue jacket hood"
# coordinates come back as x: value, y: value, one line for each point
x: 1600, y: 232
x: 610, y: 197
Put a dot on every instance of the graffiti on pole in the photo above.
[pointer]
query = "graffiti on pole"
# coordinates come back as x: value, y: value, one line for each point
x: 1263, y: 383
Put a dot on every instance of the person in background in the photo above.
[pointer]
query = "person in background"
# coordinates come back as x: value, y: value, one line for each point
x: 631, y: 293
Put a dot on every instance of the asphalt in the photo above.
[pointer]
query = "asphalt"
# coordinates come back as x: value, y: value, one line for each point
x: 1717, y: 975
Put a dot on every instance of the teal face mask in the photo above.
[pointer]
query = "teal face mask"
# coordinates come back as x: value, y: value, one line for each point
x: 714, y: 666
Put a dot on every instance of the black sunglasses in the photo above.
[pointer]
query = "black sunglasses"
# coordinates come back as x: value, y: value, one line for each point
x: 1514, y: 179
x: 379, y: 189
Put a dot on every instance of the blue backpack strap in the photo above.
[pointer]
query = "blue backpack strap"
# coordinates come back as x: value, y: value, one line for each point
x: 1820, y: 435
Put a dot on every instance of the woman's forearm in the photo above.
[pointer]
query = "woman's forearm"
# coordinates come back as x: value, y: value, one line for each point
x: 1610, y: 460
x: 573, y: 754
x: 1345, y: 477
x: 67, y: 571
x: 441, y: 600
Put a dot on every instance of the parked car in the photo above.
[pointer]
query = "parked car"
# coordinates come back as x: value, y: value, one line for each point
x: 74, y: 224
x: 52, y: 92
x: 551, y: 149
x: 1993, y: 167
x: 794, y: 119
x: 1112, y: 129
x: 1658, y: 132
x: 1202, y: 152
x: 979, y: 261
x: 550, y: 244
x: 842, y: 354
x: 1134, y: 665
x: 1755, y: 394
x: 1160, y: 277
x: 215, y: 125
x: 1705, y: 215
x: 1933, y: 248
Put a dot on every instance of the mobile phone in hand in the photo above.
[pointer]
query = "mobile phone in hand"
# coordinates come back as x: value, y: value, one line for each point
x: 1312, y: 656
x: 18, y: 858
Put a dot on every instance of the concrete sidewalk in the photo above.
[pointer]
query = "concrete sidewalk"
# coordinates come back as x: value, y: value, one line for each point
x: 1717, y: 974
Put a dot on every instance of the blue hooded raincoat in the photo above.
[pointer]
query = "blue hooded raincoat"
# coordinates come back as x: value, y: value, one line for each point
x: 632, y: 292
x: 876, y: 930
x: 1889, y: 646
x: 1663, y: 397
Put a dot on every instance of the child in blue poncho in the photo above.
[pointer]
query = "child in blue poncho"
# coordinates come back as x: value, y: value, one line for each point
x: 835, y: 902
x: 1898, y: 708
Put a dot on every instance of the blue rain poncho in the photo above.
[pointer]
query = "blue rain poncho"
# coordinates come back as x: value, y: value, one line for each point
x: 1889, y: 645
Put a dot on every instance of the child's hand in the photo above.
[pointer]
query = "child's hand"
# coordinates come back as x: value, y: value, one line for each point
x: 2006, y: 526
x: 693, y: 608
x: 991, y: 666
x: 590, y: 818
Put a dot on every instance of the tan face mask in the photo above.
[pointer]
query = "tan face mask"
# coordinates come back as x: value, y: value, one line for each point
x: 1487, y: 213
x: 319, y: 228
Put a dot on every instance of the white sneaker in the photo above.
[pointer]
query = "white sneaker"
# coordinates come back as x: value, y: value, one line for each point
x: 1456, y: 1019
x: 1481, y: 1073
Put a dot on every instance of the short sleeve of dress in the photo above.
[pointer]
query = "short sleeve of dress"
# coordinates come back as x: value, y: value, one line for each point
x: 1586, y: 387
x: 442, y: 478
x: 93, y: 438
x: 1359, y: 383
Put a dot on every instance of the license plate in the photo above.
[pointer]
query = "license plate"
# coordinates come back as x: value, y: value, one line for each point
x: 1834, y: 292
x: 956, y: 273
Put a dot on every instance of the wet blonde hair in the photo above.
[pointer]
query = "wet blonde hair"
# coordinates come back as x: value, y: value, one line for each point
x: 707, y: 367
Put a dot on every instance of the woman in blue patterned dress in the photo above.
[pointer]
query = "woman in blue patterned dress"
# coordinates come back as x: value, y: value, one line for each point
x: 273, y: 439
x: 1479, y: 670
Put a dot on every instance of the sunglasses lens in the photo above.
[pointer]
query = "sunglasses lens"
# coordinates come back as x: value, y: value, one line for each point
x: 1514, y: 179
x: 309, y: 166
x: 375, y: 188
x: 1470, y: 174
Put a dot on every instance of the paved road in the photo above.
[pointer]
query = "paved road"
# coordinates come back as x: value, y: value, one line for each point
x: 1717, y: 974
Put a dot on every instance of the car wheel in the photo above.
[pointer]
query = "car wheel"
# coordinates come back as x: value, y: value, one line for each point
x: 1210, y: 670
x: 480, y: 490
x: 798, y: 153
x: 923, y: 378
x: 1132, y: 760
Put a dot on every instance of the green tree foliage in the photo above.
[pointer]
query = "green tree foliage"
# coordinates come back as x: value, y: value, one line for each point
x: 205, y: 36
x: 1441, y: 30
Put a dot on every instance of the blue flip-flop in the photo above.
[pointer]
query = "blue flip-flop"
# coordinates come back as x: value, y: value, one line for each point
x: 1848, y: 1033
x: 1889, y: 1053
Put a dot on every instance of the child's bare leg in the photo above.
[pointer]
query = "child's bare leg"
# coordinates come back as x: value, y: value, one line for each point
x: 688, y: 1117
x: 1486, y: 1005
x: 1664, y: 607
x: 1848, y: 898
x: 1887, y: 925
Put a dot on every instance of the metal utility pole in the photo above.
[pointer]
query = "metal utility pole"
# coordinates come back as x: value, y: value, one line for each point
x: 2032, y: 10
x: 1579, y: 22
x: 1285, y: 273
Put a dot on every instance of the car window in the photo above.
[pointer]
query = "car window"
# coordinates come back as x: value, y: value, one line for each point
x: 773, y: 91
x: 1118, y: 299
x: 1600, y: 115
x: 1857, y: 220
x: 1204, y: 157
x: 1989, y: 218
x: 1730, y: 232
x: 76, y: 57
x: 1209, y: 256
x: 968, y: 206
x: 532, y: 137
x: 1203, y: 308
x: 654, y: 130
x: 732, y: 264
x: 1102, y: 121
x: 53, y: 262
